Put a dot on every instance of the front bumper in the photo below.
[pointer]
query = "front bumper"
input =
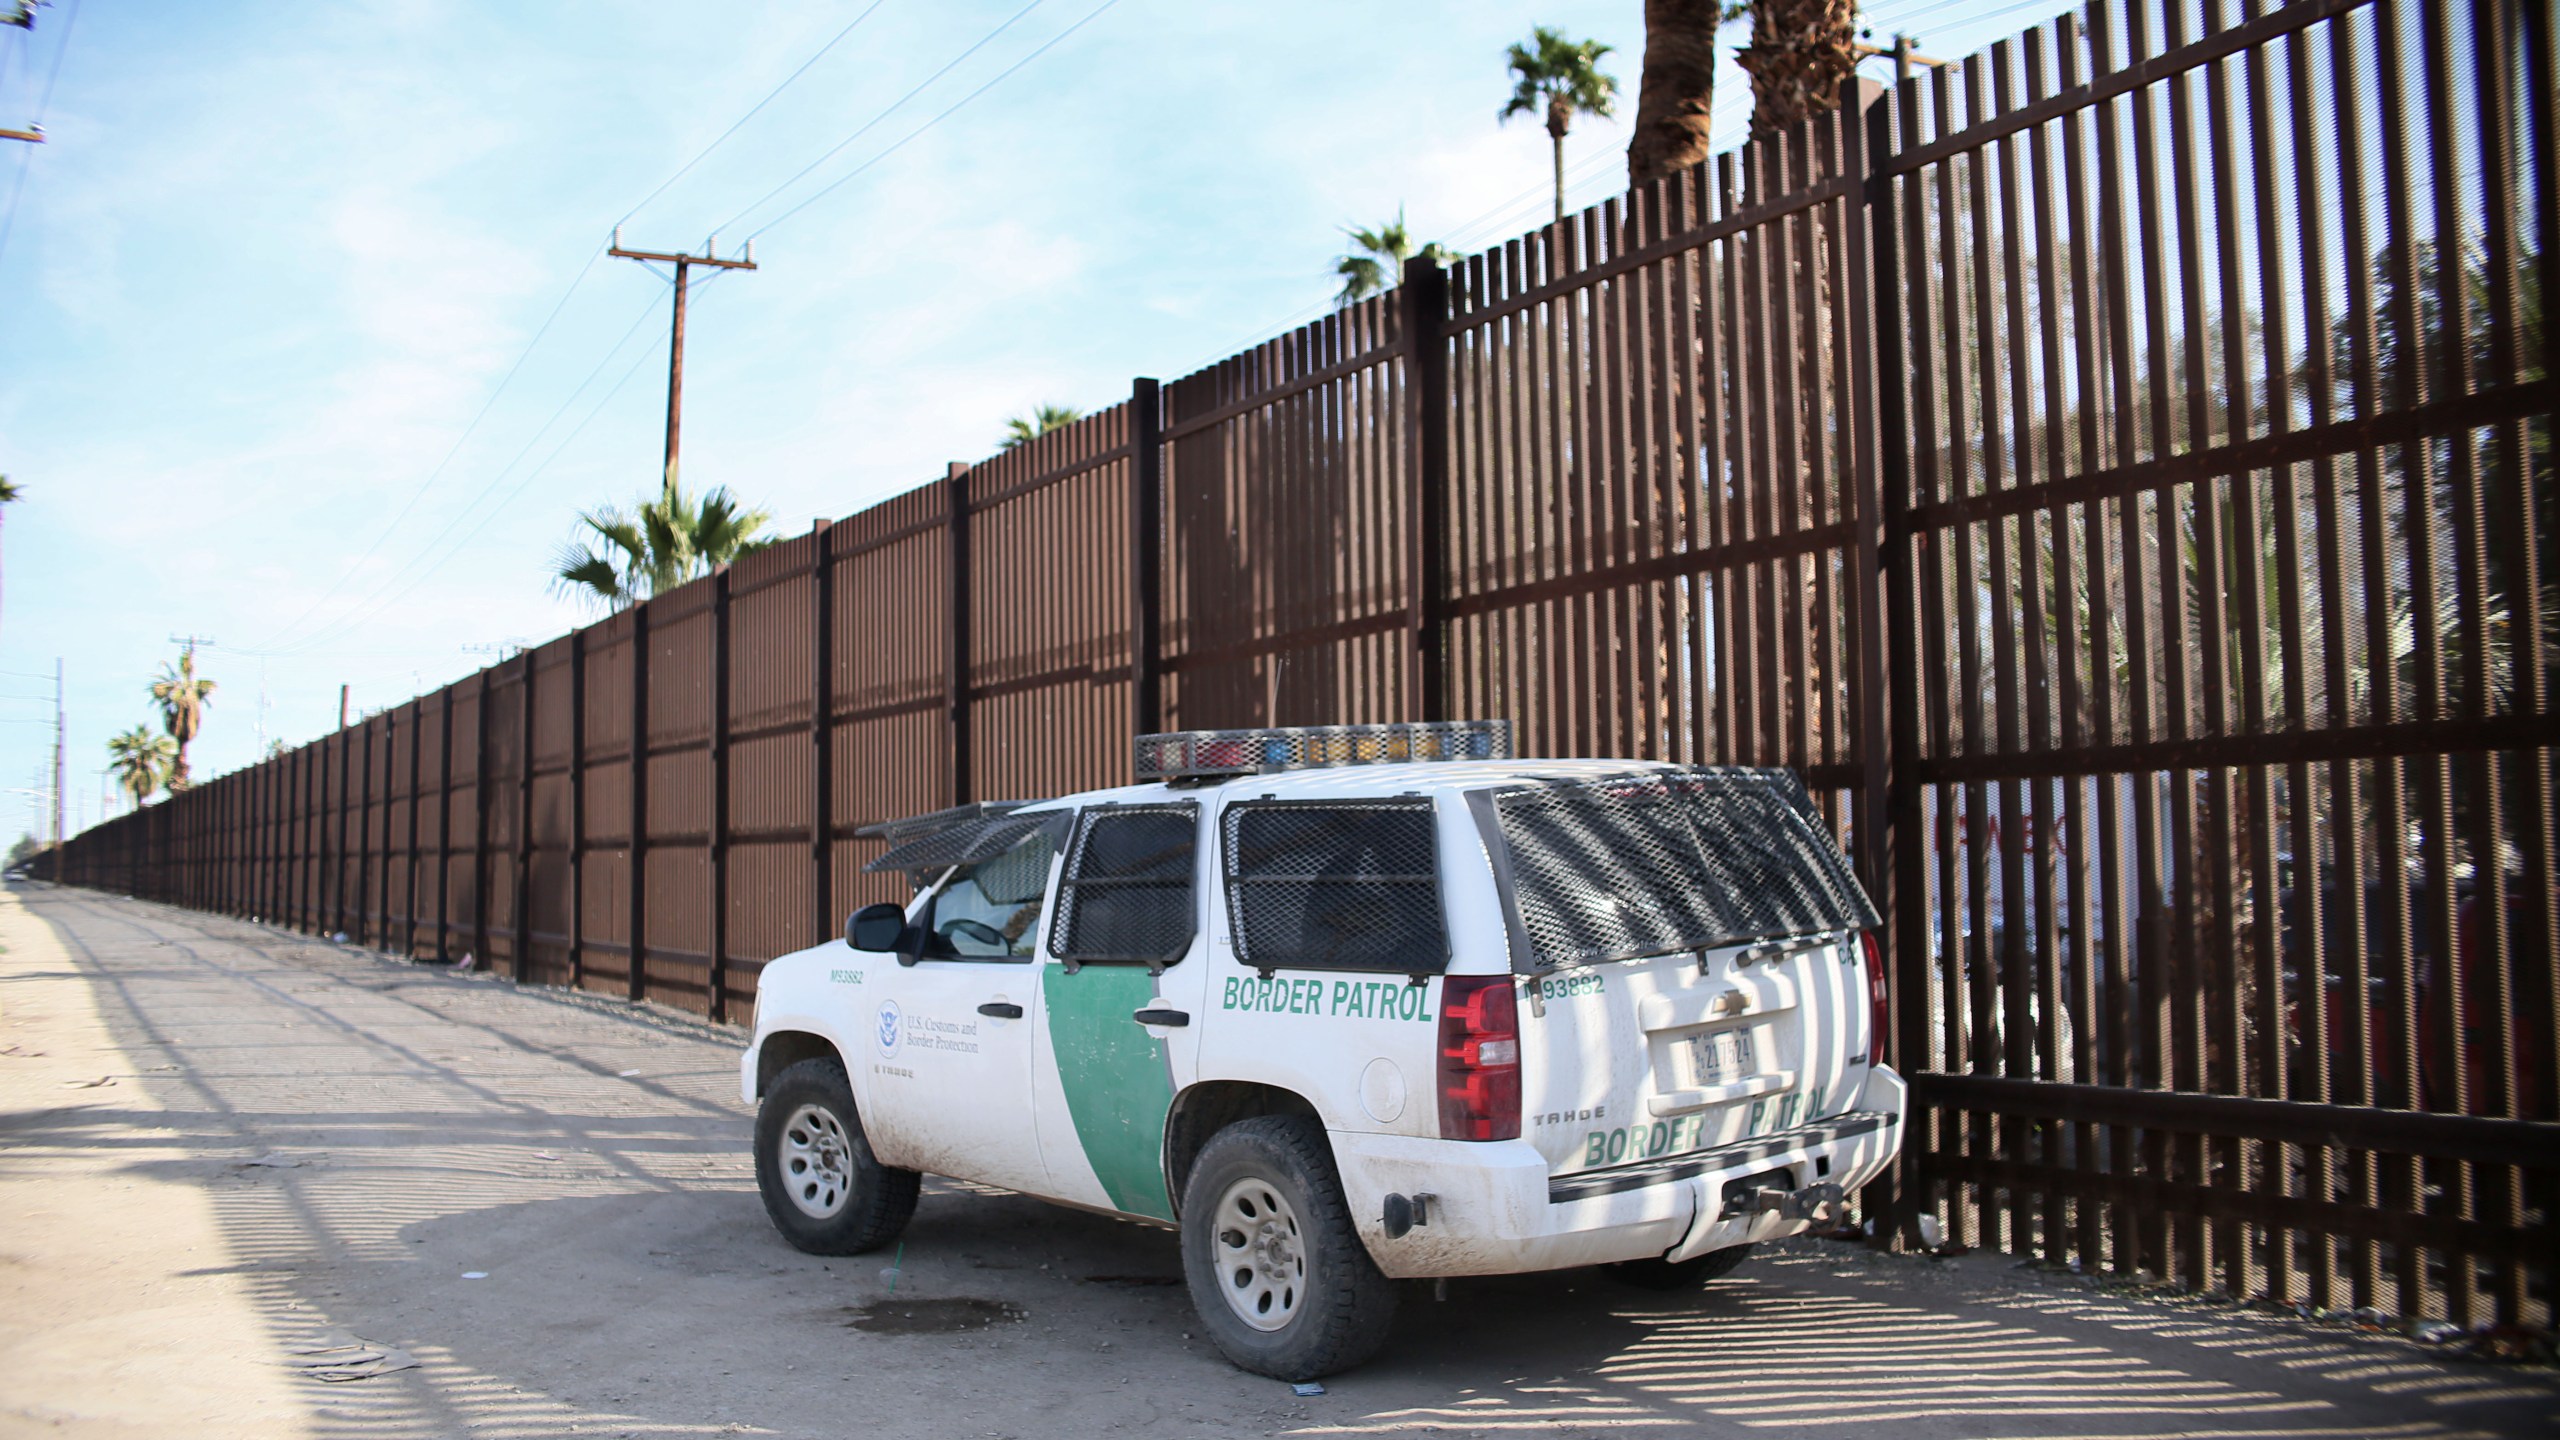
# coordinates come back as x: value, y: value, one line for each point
x: 1494, y: 1210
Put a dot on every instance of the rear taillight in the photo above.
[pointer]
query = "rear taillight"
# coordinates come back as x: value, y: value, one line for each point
x: 1878, y: 1012
x: 1479, y: 1059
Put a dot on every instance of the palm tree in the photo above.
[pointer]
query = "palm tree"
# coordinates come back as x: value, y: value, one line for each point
x: 1039, y: 422
x: 1675, y: 100
x: 1377, y: 257
x: 1799, y: 53
x: 140, y: 760
x: 657, y: 546
x: 1560, y: 77
x: 182, y: 697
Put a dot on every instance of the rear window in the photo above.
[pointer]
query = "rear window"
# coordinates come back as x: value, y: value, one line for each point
x: 1335, y: 885
x: 1663, y: 861
x: 1126, y: 896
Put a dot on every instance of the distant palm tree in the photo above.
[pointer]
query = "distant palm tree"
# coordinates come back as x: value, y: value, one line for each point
x: 1377, y: 259
x: 183, y: 697
x: 657, y: 546
x: 1039, y: 422
x: 140, y: 760
x: 1799, y: 53
x: 1561, y: 77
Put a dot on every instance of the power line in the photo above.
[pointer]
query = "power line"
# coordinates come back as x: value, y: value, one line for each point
x: 874, y: 121
x: 281, y: 637
x: 424, y: 485
x: 44, y: 107
x: 530, y: 476
x: 338, y: 626
x: 1000, y: 77
x: 751, y: 113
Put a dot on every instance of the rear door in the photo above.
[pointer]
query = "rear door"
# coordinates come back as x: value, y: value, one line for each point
x: 1693, y: 970
x: 1121, y: 988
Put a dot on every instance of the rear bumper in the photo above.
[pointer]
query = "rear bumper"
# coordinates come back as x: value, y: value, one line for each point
x: 1494, y: 1210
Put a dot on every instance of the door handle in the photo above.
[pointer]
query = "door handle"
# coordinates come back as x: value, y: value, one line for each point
x: 1162, y: 1017
x: 1002, y: 1010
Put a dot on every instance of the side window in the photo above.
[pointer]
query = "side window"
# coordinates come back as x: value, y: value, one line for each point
x: 1127, y: 895
x: 991, y: 910
x: 1335, y: 885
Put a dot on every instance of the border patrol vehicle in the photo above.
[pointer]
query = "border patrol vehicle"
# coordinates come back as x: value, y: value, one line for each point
x: 1345, y: 1006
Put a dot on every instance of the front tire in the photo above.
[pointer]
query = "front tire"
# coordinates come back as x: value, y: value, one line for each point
x: 1276, y: 1268
x: 825, y: 1192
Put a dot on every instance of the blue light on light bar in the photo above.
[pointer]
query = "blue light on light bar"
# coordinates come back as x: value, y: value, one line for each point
x: 1203, y: 754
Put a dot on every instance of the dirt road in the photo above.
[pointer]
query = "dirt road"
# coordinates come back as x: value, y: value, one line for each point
x: 233, y: 1160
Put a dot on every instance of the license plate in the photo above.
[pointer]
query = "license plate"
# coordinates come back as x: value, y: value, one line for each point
x: 1724, y: 1056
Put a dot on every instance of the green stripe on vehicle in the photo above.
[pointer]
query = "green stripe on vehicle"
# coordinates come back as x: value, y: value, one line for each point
x: 1118, y: 1085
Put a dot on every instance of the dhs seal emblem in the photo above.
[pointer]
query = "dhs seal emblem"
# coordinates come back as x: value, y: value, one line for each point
x: 886, y: 1034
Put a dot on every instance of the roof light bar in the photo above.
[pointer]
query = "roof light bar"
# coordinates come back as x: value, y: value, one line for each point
x: 1206, y: 754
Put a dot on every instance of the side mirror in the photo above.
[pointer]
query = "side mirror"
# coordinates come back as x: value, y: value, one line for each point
x: 877, y: 928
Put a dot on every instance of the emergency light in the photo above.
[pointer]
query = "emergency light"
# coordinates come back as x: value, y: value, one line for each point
x: 1207, y: 754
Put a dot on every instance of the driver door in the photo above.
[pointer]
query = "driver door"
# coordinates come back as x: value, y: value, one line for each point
x: 949, y: 1036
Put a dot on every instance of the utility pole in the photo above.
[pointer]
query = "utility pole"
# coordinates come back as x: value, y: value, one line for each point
x: 342, y: 707
x: 675, y: 350
x: 59, y: 728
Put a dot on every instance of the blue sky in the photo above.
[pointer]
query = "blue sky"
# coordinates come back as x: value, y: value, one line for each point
x: 276, y: 261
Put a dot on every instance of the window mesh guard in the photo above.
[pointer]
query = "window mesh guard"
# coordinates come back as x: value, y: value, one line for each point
x: 1658, y: 862
x: 1127, y: 895
x: 1335, y: 885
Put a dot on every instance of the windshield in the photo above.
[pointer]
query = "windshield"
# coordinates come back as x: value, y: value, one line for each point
x: 1655, y: 862
x: 991, y: 910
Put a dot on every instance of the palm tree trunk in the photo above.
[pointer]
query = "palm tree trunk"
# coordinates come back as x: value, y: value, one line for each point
x: 1800, y: 51
x: 1559, y: 141
x: 1677, y: 100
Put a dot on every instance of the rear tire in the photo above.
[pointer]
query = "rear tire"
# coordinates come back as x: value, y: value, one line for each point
x: 1276, y: 1268
x: 825, y: 1192
x: 1693, y: 1273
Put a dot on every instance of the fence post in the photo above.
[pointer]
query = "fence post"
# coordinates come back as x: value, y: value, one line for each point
x: 480, y: 826
x: 524, y: 827
x: 955, y: 500
x: 634, y: 983
x: 822, y: 699
x: 717, y: 838
x: 331, y: 879
x: 1146, y: 556
x: 1887, y: 821
x: 409, y: 889
x: 444, y: 829
x: 577, y: 809
x: 1425, y: 299
x: 364, y: 839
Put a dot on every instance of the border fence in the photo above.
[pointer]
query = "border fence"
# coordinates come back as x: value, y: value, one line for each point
x: 2116, y: 470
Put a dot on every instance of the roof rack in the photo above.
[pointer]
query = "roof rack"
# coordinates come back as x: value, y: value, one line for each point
x: 1200, y: 755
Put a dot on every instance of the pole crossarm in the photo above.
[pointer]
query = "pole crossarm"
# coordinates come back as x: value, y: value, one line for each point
x: 666, y: 259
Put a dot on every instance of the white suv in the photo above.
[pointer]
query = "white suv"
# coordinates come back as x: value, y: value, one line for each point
x: 1347, y: 1005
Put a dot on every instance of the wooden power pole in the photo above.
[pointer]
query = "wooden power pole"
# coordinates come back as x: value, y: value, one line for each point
x: 675, y: 350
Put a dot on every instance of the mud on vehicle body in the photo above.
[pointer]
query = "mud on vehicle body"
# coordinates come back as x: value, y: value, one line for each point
x: 1352, y: 1005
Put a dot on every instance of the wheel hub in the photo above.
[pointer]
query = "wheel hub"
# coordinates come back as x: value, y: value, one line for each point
x: 816, y: 1155
x: 1261, y: 1254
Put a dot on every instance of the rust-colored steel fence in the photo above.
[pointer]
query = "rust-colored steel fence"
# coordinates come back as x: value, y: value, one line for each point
x: 2117, y: 470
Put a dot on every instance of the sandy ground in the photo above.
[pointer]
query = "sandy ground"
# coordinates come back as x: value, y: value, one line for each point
x: 541, y: 1203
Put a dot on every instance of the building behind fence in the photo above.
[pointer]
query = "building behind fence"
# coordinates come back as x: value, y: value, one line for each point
x: 2116, y: 470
